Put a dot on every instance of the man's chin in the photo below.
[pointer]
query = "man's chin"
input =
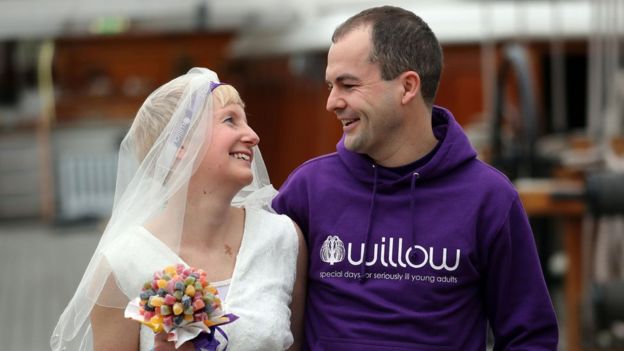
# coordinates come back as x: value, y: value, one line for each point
x: 352, y: 144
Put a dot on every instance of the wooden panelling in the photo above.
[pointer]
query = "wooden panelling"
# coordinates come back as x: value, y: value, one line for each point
x: 461, y: 89
x: 109, y: 77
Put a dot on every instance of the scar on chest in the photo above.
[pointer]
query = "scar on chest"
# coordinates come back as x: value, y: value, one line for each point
x: 228, y: 250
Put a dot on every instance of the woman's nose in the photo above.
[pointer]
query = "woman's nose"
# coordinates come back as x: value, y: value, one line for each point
x: 251, y: 137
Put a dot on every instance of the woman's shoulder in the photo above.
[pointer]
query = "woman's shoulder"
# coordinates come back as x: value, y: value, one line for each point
x: 126, y: 244
x: 117, y: 248
x: 135, y: 255
x: 271, y: 226
x: 267, y: 216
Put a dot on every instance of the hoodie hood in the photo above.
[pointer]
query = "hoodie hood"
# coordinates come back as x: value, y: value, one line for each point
x: 453, y: 150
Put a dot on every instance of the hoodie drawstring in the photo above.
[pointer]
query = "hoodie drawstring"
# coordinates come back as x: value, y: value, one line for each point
x: 369, y: 225
x: 371, y: 210
x: 415, y: 177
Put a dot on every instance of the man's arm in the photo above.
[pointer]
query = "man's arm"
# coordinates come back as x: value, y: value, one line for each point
x: 516, y: 297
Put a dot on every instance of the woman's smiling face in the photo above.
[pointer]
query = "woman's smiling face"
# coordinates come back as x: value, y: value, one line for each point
x: 229, y: 154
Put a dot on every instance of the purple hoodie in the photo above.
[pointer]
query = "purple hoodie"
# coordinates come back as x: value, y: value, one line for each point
x: 419, y: 261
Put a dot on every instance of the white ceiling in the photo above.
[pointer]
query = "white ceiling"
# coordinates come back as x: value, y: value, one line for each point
x: 453, y: 21
x: 277, y: 26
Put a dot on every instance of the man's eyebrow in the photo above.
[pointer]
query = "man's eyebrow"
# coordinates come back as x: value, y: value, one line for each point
x: 342, y: 78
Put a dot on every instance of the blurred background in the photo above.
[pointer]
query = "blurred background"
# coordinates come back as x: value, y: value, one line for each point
x: 538, y: 86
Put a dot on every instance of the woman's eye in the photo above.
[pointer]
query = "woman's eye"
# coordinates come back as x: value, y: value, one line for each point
x: 228, y: 119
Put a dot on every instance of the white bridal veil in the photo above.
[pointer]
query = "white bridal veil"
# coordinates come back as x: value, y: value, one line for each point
x: 157, y: 158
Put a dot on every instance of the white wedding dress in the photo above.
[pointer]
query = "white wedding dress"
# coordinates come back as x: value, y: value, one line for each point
x: 260, y: 289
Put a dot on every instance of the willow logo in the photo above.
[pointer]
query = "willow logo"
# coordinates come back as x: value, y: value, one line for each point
x: 333, y: 250
x: 389, y: 253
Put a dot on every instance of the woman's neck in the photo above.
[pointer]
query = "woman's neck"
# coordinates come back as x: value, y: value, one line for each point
x: 209, y: 217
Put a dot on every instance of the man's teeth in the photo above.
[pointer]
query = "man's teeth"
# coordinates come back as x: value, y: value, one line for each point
x: 241, y: 156
x: 346, y: 122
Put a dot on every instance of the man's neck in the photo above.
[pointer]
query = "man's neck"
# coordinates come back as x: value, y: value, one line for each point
x: 413, y: 142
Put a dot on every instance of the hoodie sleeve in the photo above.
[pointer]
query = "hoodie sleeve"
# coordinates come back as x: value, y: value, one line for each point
x: 517, y: 300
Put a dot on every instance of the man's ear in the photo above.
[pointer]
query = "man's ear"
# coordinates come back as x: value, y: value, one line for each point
x: 410, y: 82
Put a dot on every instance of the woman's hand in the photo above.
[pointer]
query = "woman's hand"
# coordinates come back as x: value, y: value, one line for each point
x: 161, y: 344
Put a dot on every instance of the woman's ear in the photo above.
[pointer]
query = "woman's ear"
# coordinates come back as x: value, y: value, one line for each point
x: 410, y: 82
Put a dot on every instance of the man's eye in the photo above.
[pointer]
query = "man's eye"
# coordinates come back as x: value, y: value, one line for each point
x: 346, y: 86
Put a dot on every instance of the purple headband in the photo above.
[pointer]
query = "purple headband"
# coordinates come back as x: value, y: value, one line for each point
x: 214, y: 85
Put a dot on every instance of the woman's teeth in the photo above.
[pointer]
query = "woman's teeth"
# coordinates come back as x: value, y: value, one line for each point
x: 241, y: 156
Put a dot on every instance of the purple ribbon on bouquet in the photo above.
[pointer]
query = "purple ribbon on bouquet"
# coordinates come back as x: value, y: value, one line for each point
x: 208, y: 341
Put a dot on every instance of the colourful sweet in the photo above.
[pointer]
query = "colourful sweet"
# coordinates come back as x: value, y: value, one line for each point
x: 198, y: 304
x: 189, y: 280
x: 168, y: 321
x: 145, y: 295
x: 170, y: 300
x: 170, y: 286
x: 178, y: 294
x: 156, y: 301
x: 148, y: 315
x: 178, y: 308
x: 177, y: 320
x: 165, y: 310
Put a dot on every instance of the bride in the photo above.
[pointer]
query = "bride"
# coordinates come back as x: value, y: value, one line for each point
x: 192, y: 189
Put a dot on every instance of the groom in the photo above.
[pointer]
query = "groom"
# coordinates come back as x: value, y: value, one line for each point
x: 415, y: 244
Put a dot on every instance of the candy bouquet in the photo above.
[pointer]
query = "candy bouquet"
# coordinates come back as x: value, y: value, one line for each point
x: 180, y: 301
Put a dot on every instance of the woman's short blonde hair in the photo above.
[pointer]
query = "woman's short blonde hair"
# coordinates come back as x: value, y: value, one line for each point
x: 156, y: 111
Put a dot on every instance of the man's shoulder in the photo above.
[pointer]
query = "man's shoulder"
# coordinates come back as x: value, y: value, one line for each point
x: 308, y: 175
x: 490, y: 179
x: 316, y: 164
